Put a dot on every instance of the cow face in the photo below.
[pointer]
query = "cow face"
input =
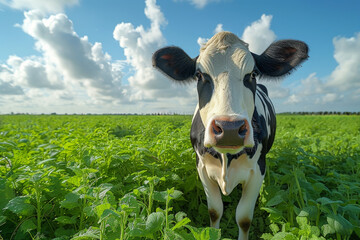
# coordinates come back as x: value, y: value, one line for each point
x: 226, y: 89
x: 226, y: 71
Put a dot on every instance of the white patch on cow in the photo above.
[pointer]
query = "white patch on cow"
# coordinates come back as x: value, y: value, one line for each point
x: 227, y: 60
x: 228, y: 177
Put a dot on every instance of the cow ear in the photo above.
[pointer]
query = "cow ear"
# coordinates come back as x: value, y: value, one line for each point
x: 281, y: 57
x: 175, y: 63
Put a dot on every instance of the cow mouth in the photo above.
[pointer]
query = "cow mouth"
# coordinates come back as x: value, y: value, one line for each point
x: 228, y: 149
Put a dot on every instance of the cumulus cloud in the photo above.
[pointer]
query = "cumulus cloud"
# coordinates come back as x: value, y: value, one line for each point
x: 69, y: 67
x: 32, y: 72
x: 219, y: 28
x: 10, y: 89
x: 199, y: 3
x: 259, y: 35
x: 48, y: 6
x: 139, y: 44
x: 74, y: 57
x: 346, y: 74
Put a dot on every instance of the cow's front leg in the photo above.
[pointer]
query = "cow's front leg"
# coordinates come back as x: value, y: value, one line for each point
x: 213, y: 196
x: 245, y: 208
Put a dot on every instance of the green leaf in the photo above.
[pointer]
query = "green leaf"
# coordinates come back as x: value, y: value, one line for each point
x: 66, y: 219
x: 104, y: 188
x: 2, y: 220
x: 315, y: 231
x: 308, y: 211
x: 139, y: 230
x: 162, y: 196
x: 302, y: 221
x: 180, y: 216
x: 109, y: 212
x: 205, y: 233
x: 170, y: 234
x: 87, y: 234
x: 326, y: 201
x: 274, y: 228
x: 20, y: 206
x: 210, y: 234
x: 101, y: 208
x: 327, y: 229
x: 340, y: 224
x: 181, y: 223
x: 71, y: 201
x: 284, y: 236
x: 154, y: 222
x: 28, y: 225
x: 352, y: 208
x: 277, y: 199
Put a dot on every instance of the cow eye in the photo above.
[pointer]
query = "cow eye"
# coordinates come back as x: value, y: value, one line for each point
x: 254, y: 74
x: 198, y: 75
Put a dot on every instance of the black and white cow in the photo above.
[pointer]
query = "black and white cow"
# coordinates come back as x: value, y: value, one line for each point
x: 234, y: 123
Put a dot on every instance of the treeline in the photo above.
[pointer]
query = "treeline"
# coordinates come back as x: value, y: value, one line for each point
x: 321, y: 113
x: 283, y: 113
x: 132, y: 114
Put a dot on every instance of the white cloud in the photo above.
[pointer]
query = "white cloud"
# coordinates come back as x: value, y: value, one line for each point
x: 68, y: 72
x: 259, y: 35
x: 70, y: 58
x: 10, y: 89
x: 48, y: 6
x: 139, y: 44
x: 199, y: 3
x: 219, y: 28
x: 347, y: 54
x: 202, y: 41
x: 330, y: 97
x: 292, y: 99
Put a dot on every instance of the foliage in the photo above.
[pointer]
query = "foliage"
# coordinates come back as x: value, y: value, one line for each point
x: 134, y: 177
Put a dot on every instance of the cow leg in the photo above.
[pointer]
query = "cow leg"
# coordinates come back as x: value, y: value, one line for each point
x: 213, y: 196
x: 245, y: 208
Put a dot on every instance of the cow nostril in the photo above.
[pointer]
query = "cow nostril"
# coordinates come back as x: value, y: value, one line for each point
x: 242, y: 130
x: 216, y: 128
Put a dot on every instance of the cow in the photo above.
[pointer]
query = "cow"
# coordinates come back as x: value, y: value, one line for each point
x: 234, y: 123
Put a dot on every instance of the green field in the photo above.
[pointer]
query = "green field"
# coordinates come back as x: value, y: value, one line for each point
x: 134, y: 177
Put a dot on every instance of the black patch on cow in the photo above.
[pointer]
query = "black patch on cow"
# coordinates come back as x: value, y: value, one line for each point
x: 245, y: 224
x: 250, y: 83
x: 250, y: 152
x: 205, y: 88
x: 197, y: 134
x: 263, y: 88
x: 260, y: 135
x: 214, y: 216
x: 271, y: 121
x: 262, y: 162
x: 260, y: 128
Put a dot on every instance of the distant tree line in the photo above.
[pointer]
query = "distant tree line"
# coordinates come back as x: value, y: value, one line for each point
x: 321, y: 113
x: 283, y: 113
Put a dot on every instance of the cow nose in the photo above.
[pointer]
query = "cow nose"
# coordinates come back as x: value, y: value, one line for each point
x: 229, y: 133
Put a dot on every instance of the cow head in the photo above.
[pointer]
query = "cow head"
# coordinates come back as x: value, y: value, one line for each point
x: 226, y: 72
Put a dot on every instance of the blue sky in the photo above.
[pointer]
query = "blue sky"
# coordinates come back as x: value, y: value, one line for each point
x: 73, y: 56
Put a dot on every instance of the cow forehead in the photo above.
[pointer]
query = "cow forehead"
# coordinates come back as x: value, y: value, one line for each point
x: 225, y: 52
